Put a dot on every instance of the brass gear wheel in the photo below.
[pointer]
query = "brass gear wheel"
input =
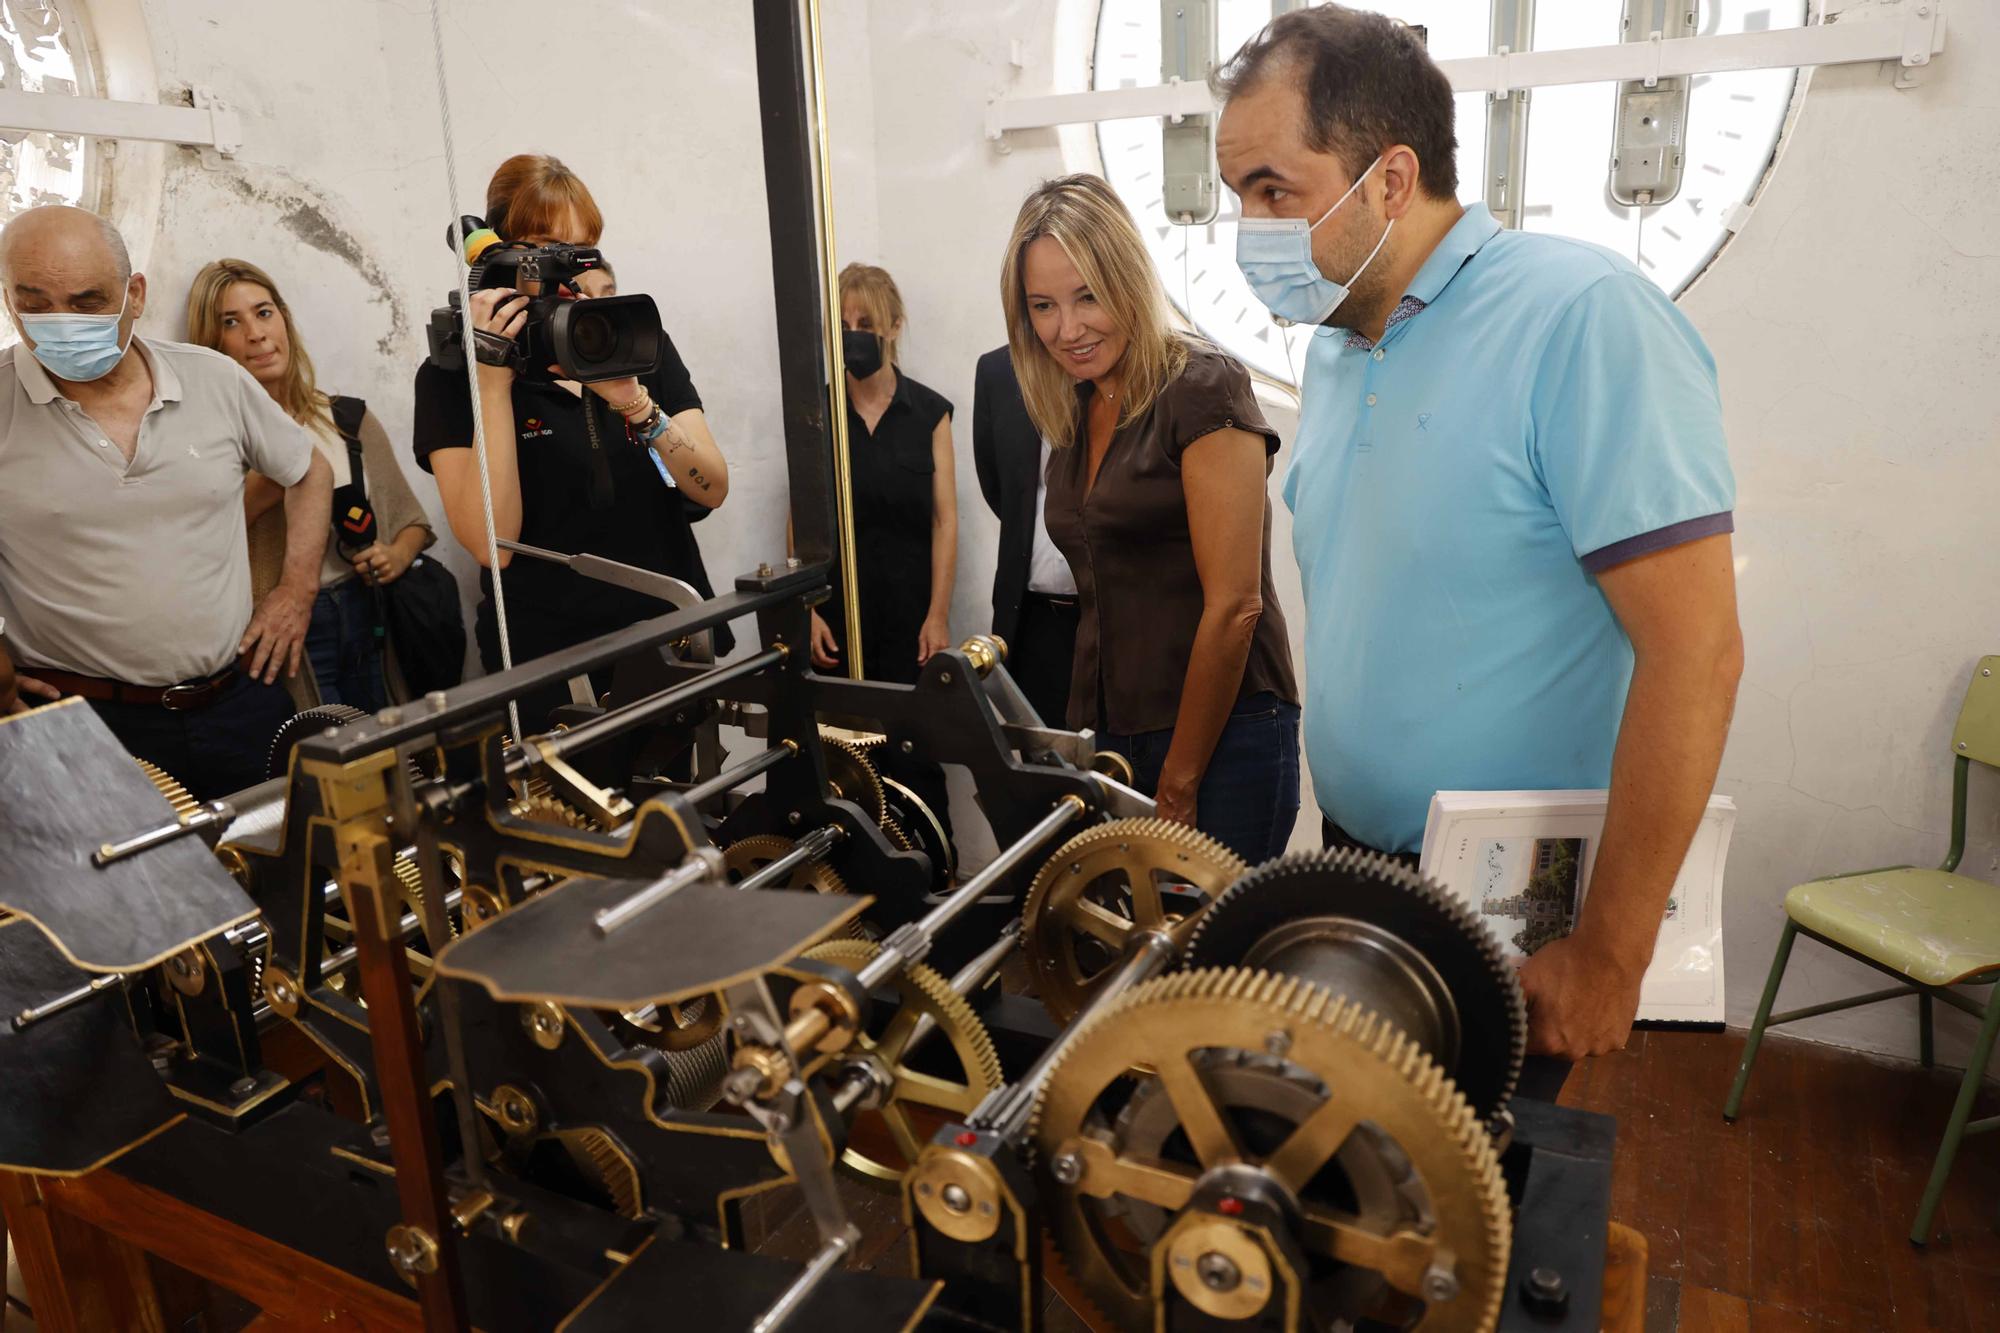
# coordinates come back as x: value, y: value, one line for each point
x: 923, y: 992
x: 1371, y: 1079
x: 545, y: 808
x: 1100, y: 888
x: 676, y: 1026
x: 600, y: 1158
x: 852, y: 776
x: 169, y: 787
x: 746, y: 856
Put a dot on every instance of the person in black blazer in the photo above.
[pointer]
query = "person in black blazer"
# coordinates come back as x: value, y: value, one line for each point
x: 1034, y: 595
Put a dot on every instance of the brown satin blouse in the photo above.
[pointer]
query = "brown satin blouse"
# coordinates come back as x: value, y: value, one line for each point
x: 1128, y: 544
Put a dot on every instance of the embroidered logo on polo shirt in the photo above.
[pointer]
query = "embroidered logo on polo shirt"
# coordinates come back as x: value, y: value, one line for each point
x: 533, y: 427
x: 1424, y: 422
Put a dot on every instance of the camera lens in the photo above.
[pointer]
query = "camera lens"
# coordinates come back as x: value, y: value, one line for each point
x: 592, y: 337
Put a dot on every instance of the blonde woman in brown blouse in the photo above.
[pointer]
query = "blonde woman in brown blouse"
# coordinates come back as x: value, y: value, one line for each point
x: 1156, y: 495
x: 235, y: 308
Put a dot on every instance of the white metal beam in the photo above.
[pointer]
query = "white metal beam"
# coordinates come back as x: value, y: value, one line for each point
x: 1910, y: 39
x: 214, y: 126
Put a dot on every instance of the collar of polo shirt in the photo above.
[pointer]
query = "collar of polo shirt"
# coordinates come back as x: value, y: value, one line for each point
x: 41, y: 388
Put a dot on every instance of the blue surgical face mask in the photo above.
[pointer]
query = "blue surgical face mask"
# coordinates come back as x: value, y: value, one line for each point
x: 77, y: 348
x: 1276, y: 256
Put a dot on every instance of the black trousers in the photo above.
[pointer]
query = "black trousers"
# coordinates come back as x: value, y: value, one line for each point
x: 213, y: 751
x: 1042, y: 653
x: 1542, y: 1076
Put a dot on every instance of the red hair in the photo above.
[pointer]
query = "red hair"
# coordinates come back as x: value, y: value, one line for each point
x: 533, y: 194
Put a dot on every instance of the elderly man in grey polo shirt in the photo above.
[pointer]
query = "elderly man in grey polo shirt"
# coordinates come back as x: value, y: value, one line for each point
x: 124, y: 576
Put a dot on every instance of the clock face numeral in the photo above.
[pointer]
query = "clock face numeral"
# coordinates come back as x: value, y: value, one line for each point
x: 1734, y: 121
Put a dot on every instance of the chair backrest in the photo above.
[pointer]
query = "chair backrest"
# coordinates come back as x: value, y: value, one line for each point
x: 1977, y: 735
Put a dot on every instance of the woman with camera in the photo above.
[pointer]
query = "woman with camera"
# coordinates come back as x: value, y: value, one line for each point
x: 617, y: 468
x: 1157, y: 497
x: 235, y: 308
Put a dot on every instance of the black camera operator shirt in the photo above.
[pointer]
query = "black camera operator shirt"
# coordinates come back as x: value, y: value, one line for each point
x: 615, y: 503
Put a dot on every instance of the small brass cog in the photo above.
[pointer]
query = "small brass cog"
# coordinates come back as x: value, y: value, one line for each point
x: 1101, y: 888
x: 169, y: 786
x: 545, y: 808
x: 681, y: 1025
x: 923, y: 992
x: 1371, y: 1085
x: 746, y: 856
x: 600, y: 1158
x: 852, y: 777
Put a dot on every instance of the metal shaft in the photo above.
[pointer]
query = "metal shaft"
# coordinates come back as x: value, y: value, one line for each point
x: 701, y: 864
x: 821, y: 1266
x: 409, y: 923
x: 67, y: 1000
x: 211, y: 814
x: 1006, y: 1111
x: 969, y: 979
x: 621, y: 720
x: 894, y: 957
x: 812, y: 847
x: 762, y: 762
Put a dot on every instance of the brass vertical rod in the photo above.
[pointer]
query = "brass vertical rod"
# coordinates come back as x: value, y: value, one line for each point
x: 836, y: 360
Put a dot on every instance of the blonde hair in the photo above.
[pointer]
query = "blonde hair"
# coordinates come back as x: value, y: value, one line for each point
x: 876, y: 291
x: 299, y: 393
x: 1082, y: 215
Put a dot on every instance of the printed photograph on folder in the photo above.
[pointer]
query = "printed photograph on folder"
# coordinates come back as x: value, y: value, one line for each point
x: 1522, y: 860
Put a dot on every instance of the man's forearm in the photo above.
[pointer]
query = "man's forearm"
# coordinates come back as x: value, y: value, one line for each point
x: 1662, y: 775
x: 308, y: 505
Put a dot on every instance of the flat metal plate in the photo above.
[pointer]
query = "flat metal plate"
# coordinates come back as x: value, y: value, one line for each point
x: 67, y: 787
x: 75, y: 1088
x: 703, y: 938
x: 682, y: 1284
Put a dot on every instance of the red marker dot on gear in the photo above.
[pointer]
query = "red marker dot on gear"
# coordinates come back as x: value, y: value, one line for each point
x: 966, y: 1139
x: 1229, y: 1207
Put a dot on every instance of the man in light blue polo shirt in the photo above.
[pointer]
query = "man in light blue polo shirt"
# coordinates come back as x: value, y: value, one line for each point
x: 1511, y: 491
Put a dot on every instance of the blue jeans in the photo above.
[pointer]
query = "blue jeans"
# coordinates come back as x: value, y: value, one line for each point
x: 342, y: 645
x: 1249, y: 796
x: 215, y: 751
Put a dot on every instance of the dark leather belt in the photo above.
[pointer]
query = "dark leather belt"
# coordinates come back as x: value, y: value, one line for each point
x: 185, y: 697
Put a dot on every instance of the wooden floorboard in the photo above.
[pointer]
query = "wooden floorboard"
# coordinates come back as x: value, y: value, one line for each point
x: 1797, y: 1216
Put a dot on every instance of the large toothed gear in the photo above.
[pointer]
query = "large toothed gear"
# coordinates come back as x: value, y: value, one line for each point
x: 1102, y: 887
x: 298, y: 726
x: 1287, y: 914
x: 924, y: 994
x: 1399, y: 1192
x: 852, y: 776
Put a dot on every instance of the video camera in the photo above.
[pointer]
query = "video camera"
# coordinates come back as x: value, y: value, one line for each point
x: 608, y: 338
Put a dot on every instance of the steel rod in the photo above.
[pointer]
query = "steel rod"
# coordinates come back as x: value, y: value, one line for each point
x: 621, y: 720
x: 762, y: 762
x: 817, y: 1270
x: 66, y: 1001
x: 812, y: 847
x: 1006, y: 1112
x: 211, y: 814
x: 969, y: 979
x: 702, y: 864
x: 892, y: 960
x: 410, y: 921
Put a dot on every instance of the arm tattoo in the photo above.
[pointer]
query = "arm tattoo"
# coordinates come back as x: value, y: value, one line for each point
x: 694, y: 475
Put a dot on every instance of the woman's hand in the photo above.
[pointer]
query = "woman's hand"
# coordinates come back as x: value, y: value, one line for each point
x: 499, y: 313
x: 825, y: 652
x: 382, y: 563
x: 933, y: 638
x: 626, y: 393
x: 1175, y: 797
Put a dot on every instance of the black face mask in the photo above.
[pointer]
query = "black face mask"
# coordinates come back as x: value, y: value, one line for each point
x: 862, y: 351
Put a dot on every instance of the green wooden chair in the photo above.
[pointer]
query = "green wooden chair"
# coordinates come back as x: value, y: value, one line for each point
x: 1933, y: 928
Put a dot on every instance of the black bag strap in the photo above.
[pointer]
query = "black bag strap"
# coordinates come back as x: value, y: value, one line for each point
x: 347, y: 415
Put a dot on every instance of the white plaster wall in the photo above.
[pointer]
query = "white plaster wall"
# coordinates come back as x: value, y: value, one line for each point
x: 340, y: 188
x: 1856, y: 322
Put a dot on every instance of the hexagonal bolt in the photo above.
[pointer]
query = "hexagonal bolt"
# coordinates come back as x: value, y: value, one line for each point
x: 1067, y: 1168
x: 1440, y: 1283
x: 1218, y: 1272
x: 956, y: 1199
